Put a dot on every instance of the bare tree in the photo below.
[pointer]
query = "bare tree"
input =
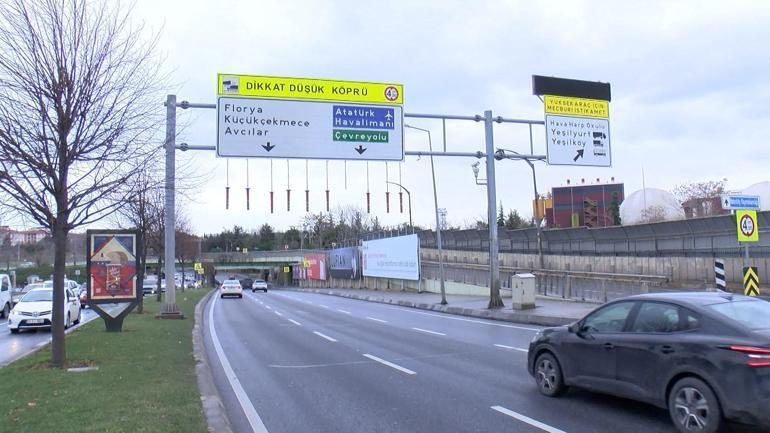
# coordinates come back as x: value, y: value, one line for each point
x: 653, y: 214
x: 79, y: 92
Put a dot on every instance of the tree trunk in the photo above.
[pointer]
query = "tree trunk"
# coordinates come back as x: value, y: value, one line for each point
x: 160, y: 266
x: 58, y: 354
x: 142, y: 267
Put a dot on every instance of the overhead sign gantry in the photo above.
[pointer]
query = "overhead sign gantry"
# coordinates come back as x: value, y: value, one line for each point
x: 282, y: 117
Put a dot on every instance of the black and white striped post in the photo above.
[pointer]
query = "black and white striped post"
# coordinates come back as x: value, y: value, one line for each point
x: 719, y: 274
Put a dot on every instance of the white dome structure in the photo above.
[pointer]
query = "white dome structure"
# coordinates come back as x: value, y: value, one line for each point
x: 632, y: 208
x: 762, y: 189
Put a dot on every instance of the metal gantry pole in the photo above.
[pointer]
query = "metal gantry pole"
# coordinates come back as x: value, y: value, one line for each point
x: 169, y: 307
x: 438, y: 228
x: 494, y: 266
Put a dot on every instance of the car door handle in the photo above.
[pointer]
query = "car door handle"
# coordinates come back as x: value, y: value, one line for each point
x: 609, y: 346
x: 667, y: 349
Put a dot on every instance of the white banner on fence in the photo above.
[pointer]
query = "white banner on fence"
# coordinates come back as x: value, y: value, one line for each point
x: 397, y: 257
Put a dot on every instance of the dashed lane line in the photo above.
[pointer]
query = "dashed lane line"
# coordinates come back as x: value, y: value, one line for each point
x: 324, y: 336
x: 295, y: 322
x: 428, y: 331
x: 528, y: 420
x: 377, y: 320
x: 512, y: 348
x: 389, y: 364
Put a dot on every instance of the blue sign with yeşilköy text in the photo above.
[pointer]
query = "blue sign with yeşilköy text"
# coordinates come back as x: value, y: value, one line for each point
x: 735, y: 201
x: 363, y: 117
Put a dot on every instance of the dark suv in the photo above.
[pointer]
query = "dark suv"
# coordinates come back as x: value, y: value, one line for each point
x: 705, y: 356
x: 246, y: 283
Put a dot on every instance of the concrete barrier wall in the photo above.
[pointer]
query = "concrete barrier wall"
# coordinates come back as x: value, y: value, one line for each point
x: 679, y: 270
x: 385, y: 284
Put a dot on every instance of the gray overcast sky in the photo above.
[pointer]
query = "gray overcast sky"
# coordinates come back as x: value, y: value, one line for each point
x: 690, y: 86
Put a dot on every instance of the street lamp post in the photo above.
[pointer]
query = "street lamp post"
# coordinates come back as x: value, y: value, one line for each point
x: 501, y: 154
x: 438, y: 224
x: 409, y: 198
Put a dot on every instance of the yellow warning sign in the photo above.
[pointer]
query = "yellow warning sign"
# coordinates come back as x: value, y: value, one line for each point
x: 568, y: 106
x: 746, y: 221
x: 198, y: 266
x: 750, y: 281
x: 286, y: 270
x: 259, y: 86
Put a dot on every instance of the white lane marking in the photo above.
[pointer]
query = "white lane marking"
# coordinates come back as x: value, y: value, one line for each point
x: 324, y: 306
x: 343, y: 311
x: 324, y: 336
x: 257, y: 426
x: 511, y: 347
x: 429, y: 332
x: 278, y: 313
x: 466, y: 320
x: 295, y: 322
x: 528, y: 420
x: 389, y: 364
x: 377, y: 320
x: 268, y: 307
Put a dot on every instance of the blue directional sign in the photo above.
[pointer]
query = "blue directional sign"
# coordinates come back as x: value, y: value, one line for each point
x: 738, y: 201
x: 363, y: 117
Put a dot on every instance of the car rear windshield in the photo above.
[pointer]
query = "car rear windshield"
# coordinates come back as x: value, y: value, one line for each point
x: 752, y: 314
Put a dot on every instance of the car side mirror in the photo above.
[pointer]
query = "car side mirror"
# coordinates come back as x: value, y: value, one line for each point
x: 574, y: 328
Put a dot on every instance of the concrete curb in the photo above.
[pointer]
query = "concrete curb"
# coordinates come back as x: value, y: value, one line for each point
x: 501, y: 315
x: 213, y: 409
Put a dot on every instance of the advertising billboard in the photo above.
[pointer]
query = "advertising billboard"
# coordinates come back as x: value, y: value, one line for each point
x: 112, y: 271
x: 315, y: 267
x: 397, y: 257
x: 343, y: 263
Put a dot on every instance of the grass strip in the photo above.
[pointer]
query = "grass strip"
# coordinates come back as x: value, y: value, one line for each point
x: 145, y: 380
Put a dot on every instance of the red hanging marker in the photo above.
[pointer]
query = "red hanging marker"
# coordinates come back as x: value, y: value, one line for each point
x: 387, y: 202
x: 227, y: 197
x: 307, y: 200
x: 368, y: 206
x: 288, y: 200
x: 271, y: 201
x: 327, y: 200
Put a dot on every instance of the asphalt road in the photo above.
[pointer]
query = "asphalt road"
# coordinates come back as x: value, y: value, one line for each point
x: 301, y: 362
x: 15, y: 346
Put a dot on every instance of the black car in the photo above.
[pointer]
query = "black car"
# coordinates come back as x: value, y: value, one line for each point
x: 246, y: 283
x: 705, y: 356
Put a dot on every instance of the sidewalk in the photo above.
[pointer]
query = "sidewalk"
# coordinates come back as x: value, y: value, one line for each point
x: 548, y: 311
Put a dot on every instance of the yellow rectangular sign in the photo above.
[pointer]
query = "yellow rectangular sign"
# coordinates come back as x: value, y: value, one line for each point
x: 568, y: 106
x: 746, y: 220
x: 258, y: 86
x: 286, y: 270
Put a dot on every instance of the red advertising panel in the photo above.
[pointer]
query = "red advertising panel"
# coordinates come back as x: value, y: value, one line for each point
x: 112, y: 266
x: 315, y: 266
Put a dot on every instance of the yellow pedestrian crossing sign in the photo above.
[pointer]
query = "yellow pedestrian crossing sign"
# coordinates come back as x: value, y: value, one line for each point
x: 286, y: 270
x: 747, y: 225
x: 750, y: 281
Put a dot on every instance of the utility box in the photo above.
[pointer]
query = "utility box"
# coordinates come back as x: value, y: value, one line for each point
x: 523, y: 291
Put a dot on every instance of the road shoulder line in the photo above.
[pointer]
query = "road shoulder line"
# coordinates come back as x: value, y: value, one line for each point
x: 213, y: 408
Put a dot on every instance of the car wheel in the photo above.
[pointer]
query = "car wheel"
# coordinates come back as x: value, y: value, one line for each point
x: 548, y: 376
x: 6, y: 310
x: 253, y: 290
x: 240, y: 296
x: 77, y: 322
x: 222, y: 296
x: 67, y: 323
x: 14, y: 331
x: 694, y: 407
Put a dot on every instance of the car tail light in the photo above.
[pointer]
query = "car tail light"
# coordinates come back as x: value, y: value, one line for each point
x: 758, y: 356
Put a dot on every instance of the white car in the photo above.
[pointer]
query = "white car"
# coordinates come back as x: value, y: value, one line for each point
x: 259, y: 284
x: 33, y: 311
x: 231, y: 288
